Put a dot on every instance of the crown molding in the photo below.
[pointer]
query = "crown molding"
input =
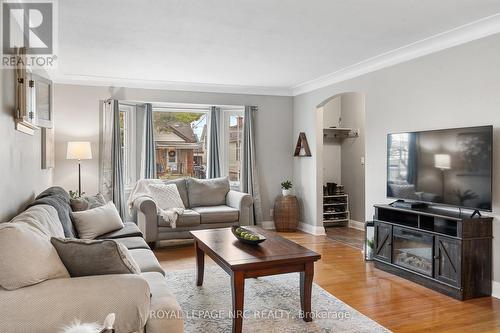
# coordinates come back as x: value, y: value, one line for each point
x: 91, y: 80
x: 466, y: 33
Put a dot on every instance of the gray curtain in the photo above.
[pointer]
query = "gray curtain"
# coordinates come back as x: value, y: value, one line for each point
x: 249, y: 172
x: 213, y: 163
x: 149, y: 143
x: 118, y: 193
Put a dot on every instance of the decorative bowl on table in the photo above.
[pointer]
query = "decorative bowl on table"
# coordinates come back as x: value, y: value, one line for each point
x: 247, y: 236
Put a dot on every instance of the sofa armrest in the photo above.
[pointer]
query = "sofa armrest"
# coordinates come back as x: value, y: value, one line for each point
x: 243, y: 202
x: 53, y: 304
x: 147, y: 218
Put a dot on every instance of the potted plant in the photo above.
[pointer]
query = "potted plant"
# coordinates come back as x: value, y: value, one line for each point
x: 286, y: 188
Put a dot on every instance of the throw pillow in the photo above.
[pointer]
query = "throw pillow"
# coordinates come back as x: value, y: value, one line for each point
x: 28, y: 257
x: 87, y: 202
x: 182, y: 187
x: 84, y: 257
x: 207, y: 192
x: 166, y: 196
x: 97, y: 221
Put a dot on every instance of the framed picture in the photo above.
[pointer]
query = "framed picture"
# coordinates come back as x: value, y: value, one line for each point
x: 42, y: 100
x: 48, y: 155
x: 24, y: 115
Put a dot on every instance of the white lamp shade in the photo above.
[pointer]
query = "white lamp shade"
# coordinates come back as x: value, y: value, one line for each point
x: 442, y: 161
x: 79, y: 150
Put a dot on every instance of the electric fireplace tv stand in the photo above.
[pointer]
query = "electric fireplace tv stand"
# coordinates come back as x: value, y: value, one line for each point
x: 442, y: 250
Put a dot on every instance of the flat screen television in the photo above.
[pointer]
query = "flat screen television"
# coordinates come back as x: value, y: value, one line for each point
x: 449, y: 166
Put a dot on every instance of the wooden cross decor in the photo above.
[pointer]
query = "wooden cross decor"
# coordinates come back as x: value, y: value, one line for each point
x: 302, y: 143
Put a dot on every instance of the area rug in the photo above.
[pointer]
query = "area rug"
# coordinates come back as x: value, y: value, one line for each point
x: 272, y: 304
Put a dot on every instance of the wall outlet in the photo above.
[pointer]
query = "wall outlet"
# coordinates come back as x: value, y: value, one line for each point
x: 362, y: 160
x: 271, y: 212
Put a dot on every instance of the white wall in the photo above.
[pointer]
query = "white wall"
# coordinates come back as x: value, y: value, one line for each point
x: 77, y: 118
x: 453, y: 88
x: 20, y: 156
x: 352, y: 150
x: 332, y: 154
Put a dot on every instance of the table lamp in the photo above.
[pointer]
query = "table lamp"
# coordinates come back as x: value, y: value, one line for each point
x: 79, y: 150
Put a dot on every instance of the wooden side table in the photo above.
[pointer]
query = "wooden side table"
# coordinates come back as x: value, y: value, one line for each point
x: 286, y: 213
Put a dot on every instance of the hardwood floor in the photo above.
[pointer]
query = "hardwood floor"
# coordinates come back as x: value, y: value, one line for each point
x: 346, y: 235
x: 395, y: 303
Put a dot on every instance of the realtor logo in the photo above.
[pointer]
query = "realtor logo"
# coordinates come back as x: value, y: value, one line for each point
x: 28, y: 25
x: 29, y: 28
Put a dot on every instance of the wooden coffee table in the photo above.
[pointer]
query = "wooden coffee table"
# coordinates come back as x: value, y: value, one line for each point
x: 276, y: 255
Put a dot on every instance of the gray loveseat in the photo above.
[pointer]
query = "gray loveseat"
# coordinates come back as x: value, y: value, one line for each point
x: 140, y: 301
x: 209, y: 203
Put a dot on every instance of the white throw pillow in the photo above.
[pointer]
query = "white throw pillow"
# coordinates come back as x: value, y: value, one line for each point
x: 27, y: 257
x: 166, y: 196
x: 98, y: 221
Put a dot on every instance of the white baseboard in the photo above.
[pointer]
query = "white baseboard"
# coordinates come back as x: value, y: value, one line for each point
x: 495, y: 289
x: 312, y: 229
x: 268, y: 225
x: 356, y: 225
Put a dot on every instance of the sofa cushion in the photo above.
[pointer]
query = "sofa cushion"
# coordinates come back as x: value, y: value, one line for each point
x: 27, y: 257
x: 44, y: 218
x: 146, y: 260
x: 130, y: 229
x: 181, y: 187
x: 165, y: 313
x: 216, y: 214
x: 58, y: 198
x: 188, y: 218
x: 133, y: 242
x: 98, y: 221
x: 49, y: 306
x: 207, y: 192
x: 87, y: 202
x: 83, y: 257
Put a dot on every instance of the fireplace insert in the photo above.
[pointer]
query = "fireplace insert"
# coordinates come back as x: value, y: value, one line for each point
x: 412, y: 250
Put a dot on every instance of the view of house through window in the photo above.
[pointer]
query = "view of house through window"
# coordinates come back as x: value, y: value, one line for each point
x: 181, y: 137
x: 235, y: 133
x: 181, y: 144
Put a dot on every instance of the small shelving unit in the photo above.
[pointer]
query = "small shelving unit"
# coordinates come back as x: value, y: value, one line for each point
x: 335, y: 210
x: 340, y: 132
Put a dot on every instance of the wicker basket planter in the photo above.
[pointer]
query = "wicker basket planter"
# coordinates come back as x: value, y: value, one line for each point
x: 286, y: 213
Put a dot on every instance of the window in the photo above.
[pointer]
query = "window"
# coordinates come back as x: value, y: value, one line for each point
x: 181, y: 138
x: 232, y: 135
x: 180, y: 143
x: 127, y: 135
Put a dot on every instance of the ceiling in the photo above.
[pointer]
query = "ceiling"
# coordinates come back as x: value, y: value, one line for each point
x: 269, y: 44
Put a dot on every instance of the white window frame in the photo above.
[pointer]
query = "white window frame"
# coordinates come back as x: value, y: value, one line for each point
x: 224, y: 151
x: 130, y: 143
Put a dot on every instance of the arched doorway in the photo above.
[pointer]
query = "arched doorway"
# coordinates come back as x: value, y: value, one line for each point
x: 341, y: 166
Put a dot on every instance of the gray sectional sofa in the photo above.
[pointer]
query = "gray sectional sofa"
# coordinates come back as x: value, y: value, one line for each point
x: 209, y: 203
x: 51, y: 304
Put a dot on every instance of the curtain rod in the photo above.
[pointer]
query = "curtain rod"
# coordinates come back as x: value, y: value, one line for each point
x: 180, y: 108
